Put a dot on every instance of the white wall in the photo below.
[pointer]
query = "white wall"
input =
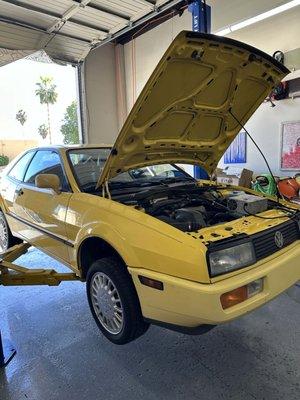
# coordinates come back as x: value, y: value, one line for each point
x: 143, y: 54
x: 279, y: 32
x: 228, y: 12
x: 101, y: 102
x: 265, y: 128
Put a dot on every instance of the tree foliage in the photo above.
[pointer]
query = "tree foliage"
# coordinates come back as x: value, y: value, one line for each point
x: 69, y: 127
x: 43, y: 131
x: 21, y: 116
x: 4, y: 160
x: 46, y: 91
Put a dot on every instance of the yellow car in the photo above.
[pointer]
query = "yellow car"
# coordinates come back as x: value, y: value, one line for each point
x: 153, y: 244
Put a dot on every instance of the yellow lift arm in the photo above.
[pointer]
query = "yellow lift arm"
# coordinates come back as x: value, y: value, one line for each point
x: 15, y: 275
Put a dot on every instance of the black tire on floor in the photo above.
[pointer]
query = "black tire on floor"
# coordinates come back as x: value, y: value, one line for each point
x: 133, y: 324
x: 7, y: 240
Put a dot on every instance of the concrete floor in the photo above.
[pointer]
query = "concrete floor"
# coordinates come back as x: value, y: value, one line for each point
x: 61, y: 355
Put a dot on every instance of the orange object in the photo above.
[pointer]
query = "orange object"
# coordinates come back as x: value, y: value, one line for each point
x: 234, y: 297
x: 289, y: 187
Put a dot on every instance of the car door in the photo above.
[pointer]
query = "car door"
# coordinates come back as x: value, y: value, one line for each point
x: 9, y: 189
x: 44, y: 211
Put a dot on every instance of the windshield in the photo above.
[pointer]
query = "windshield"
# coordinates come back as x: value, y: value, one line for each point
x: 88, y: 164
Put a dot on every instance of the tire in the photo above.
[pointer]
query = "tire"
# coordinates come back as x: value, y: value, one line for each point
x: 118, y: 316
x: 7, y: 240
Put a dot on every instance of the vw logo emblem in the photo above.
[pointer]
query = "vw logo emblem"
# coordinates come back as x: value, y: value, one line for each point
x: 279, y: 240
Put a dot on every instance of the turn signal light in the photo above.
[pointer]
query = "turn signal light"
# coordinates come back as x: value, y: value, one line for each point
x: 234, y: 297
x: 241, y: 294
x: 151, y: 282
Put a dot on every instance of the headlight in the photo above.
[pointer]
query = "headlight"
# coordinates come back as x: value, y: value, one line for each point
x: 231, y: 258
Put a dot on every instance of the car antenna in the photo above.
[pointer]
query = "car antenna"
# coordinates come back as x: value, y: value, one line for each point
x: 259, y: 149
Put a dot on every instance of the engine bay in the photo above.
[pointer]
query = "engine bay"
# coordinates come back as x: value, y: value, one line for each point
x: 191, y: 207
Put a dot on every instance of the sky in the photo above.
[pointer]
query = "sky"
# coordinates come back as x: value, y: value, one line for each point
x: 17, y: 91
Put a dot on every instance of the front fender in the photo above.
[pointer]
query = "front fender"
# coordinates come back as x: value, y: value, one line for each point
x: 110, y: 235
x: 140, y: 239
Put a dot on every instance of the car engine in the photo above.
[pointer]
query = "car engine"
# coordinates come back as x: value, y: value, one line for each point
x: 191, y: 207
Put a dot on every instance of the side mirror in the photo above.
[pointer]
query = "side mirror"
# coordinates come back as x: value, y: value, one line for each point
x: 48, y: 181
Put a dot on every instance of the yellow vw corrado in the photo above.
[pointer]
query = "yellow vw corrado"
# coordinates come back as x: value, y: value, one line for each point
x: 153, y: 244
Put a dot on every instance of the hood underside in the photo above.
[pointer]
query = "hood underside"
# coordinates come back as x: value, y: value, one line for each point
x: 189, y: 109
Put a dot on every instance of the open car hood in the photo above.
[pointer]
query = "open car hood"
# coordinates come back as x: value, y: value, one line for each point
x: 184, y: 113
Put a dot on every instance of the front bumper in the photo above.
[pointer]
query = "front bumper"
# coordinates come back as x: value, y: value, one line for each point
x: 190, y: 304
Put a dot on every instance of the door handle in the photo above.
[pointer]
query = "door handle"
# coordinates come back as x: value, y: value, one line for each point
x: 19, y: 192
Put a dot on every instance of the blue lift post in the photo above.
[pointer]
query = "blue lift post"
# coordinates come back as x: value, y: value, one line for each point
x: 7, y: 352
x: 201, y: 16
x: 201, y: 22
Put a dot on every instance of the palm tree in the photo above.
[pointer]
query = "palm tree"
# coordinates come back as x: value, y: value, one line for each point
x: 48, y: 95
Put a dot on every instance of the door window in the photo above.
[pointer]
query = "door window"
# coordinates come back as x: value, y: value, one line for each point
x: 46, y: 162
x: 18, y: 171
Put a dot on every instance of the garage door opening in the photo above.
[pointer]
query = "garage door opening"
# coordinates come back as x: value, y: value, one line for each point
x: 38, y: 105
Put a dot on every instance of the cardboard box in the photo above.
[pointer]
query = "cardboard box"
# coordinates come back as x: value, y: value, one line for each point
x: 244, y: 179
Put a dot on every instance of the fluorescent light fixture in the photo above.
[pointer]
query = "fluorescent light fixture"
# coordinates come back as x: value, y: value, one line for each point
x: 223, y: 32
x: 257, y: 18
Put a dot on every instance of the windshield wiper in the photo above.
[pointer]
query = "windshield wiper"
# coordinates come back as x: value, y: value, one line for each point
x: 89, y: 188
x: 116, y: 185
x: 152, y: 182
x: 177, y: 180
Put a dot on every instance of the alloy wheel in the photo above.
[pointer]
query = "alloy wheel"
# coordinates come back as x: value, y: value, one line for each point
x: 107, y: 303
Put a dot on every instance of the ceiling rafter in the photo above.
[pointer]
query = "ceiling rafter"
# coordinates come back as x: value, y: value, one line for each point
x: 111, y: 11
x: 84, y: 4
x: 169, y: 5
x: 150, y: 4
x: 69, y: 29
x: 49, y: 13
x: 16, y: 22
x: 67, y: 15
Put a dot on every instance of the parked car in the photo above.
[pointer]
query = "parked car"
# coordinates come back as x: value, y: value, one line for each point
x: 153, y: 244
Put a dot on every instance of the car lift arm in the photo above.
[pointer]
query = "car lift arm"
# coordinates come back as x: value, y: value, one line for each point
x: 14, y: 275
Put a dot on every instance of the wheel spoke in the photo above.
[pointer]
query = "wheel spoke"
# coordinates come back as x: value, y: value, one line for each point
x: 118, y: 318
x: 106, y: 302
x: 3, y: 236
x: 95, y: 297
x: 117, y: 322
x: 118, y: 309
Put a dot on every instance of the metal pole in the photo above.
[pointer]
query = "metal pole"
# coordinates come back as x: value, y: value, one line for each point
x: 201, y: 22
x: 1, y: 352
x: 7, y: 352
x: 201, y: 16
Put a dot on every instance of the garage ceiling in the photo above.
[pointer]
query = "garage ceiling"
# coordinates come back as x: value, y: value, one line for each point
x: 68, y: 29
